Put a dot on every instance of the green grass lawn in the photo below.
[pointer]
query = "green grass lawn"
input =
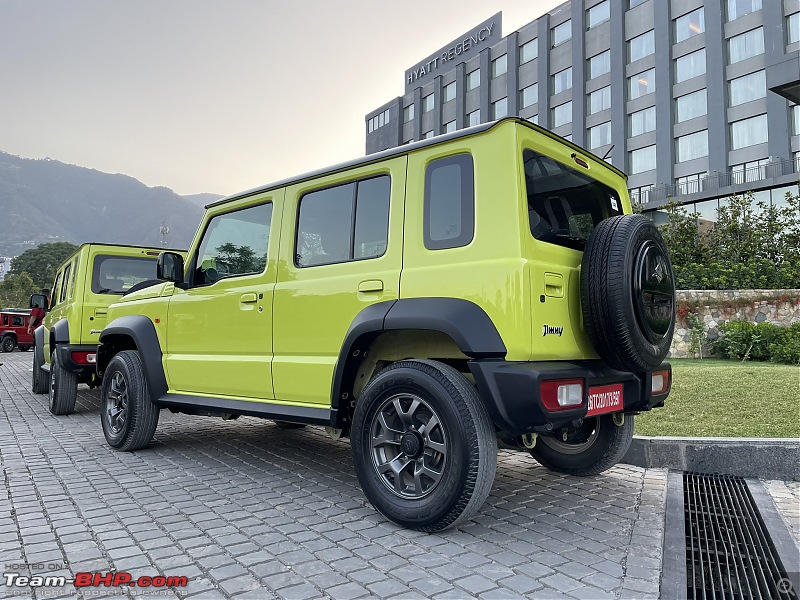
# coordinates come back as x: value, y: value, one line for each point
x: 727, y: 398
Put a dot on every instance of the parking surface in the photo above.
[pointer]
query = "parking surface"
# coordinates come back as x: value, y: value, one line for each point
x: 244, y: 509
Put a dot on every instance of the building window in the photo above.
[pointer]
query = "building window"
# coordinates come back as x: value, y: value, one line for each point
x: 529, y: 95
x: 793, y: 28
x: 641, y: 46
x: 740, y: 8
x: 528, y: 51
x: 474, y: 118
x: 408, y: 113
x: 690, y: 24
x: 473, y: 79
x: 643, y: 121
x: 691, y: 106
x: 449, y: 92
x: 600, y: 100
x: 796, y: 119
x: 500, y: 65
x: 427, y: 103
x: 755, y: 170
x: 378, y: 121
x: 640, y: 195
x: 599, y: 64
x: 635, y: 3
x: 600, y: 135
x: 427, y: 135
x: 746, y: 45
x: 749, y: 132
x: 500, y: 108
x: 562, y: 80
x: 694, y: 145
x: 748, y: 88
x: 690, y: 184
x: 449, y: 204
x: 643, y: 159
x: 450, y: 127
x: 642, y: 84
x: 562, y: 33
x: 690, y: 65
x: 599, y: 13
x: 535, y: 120
x: 562, y: 114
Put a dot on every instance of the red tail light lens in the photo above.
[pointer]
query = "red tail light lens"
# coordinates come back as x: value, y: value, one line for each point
x: 84, y: 358
x: 561, y: 394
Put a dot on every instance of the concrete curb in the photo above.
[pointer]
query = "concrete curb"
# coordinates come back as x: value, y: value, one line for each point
x: 767, y: 458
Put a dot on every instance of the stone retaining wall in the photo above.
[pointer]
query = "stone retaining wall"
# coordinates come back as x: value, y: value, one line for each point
x: 781, y: 307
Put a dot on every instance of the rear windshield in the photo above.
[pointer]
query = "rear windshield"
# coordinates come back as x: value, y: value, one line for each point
x: 564, y: 204
x: 118, y: 274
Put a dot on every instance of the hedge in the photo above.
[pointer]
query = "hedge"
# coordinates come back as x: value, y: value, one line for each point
x: 760, y: 341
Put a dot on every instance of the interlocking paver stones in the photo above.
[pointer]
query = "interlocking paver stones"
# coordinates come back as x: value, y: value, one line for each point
x: 247, y: 510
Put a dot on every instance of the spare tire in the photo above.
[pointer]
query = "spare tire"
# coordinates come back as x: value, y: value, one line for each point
x: 628, y: 293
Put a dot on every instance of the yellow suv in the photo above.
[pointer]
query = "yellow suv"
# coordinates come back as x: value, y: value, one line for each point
x: 431, y: 301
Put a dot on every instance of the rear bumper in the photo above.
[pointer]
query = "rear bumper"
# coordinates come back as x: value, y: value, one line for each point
x: 85, y: 372
x: 511, y: 391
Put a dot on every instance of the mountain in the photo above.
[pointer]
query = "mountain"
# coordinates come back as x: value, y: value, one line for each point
x: 202, y: 199
x: 47, y: 201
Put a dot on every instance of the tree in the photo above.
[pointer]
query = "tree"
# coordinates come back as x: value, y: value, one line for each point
x: 42, y: 262
x: 15, y: 290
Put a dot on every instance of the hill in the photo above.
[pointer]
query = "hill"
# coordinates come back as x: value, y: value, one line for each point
x: 50, y: 201
x: 202, y: 199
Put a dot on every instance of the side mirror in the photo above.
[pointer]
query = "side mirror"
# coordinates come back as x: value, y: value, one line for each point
x: 169, y: 267
x: 39, y: 301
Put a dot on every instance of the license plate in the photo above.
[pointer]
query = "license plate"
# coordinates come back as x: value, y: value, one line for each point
x: 605, y: 399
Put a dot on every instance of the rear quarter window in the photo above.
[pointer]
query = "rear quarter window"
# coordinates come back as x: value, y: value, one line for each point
x: 449, y: 211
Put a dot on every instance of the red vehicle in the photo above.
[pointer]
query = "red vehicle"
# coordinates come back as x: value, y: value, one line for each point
x: 14, y: 329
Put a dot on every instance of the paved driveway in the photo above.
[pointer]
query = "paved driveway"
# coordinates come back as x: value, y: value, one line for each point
x: 244, y: 509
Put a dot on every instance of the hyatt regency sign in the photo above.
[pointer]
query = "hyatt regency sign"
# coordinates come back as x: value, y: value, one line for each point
x: 460, y: 50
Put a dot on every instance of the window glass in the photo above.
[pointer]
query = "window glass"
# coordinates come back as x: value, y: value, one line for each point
x: 641, y: 46
x: 599, y: 64
x: 449, y: 91
x: 562, y: 33
x: 234, y: 244
x: 748, y: 88
x: 474, y: 118
x: 634, y: 3
x: 380, y: 120
x: 427, y: 103
x: 643, y: 121
x: 65, y: 283
x: 528, y: 51
x: 473, y: 79
x: 534, y: 119
x: 408, y: 113
x: 690, y: 24
x: 691, y: 184
x: 564, y: 204
x: 500, y: 108
x: 600, y: 135
x: 372, y: 217
x: 450, y: 127
x: 529, y: 95
x: 427, y: 135
x: 643, y: 159
x: 642, y: 84
x: 499, y: 65
x: 599, y: 13
x: 749, y: 132
x: 793, y: 28
x: 117, y: 274
x: 56, y: 287
x: 739, y: 8
x: 796, y: 119
x: 449, y: 202
x: 690, y: 65
x: 562, y: 114
x: 754, y: 170
x: 691, y: 106
x: 562, y: 80
x: 17, y: 320
x: 694, y: 145
x: 746, y: 45
x: 600, y: 100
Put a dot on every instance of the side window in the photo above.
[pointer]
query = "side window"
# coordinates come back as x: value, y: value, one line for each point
x: 449, y: 219
x: 234, y: 244
x: 17, y: 321
x: 5, y: 319
x: 343, y: 223
x: 65, y: 283
x: 56, y: 288
x: 74, y: 277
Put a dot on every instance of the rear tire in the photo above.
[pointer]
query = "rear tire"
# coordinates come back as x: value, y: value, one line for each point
x: 8, y: 343
x: 129, y: 416
x: 424, y: 447
x: 596, y: 446
x: 63, y: 388
x: 40, y: 382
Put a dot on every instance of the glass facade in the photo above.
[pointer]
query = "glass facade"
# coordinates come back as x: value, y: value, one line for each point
x: 691, y: 106
x: 740, y: 8
x: 793, y: 28
x: 562, y: 33
x: 642, y: 121
x: 600, y: 64
x: 473, y: 79
x: 600, y: 135
x: 642, y: 84
x: 528, y: 51
x: 599, y: 13
x: 600, y: 100
x: 500, y: 66
x: 450, y: 127
x: 692, y: 146
x: 408, y: 113
x: 449, y: 92
x: 795, y: 119
x: 748, y: 88
x: 428, y: 103
x: 562, y: 80
x: 746, y: 45
x: 690, y: 24
x: 641, y: 46
x: 500, y: 108
x: 643, y: 159
x: 690, y: 66
x: 562, y: 114
x: 474, y: 118
x: 749, y: 132
x: 529, y: 95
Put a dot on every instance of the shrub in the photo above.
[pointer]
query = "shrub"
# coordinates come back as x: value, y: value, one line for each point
x: 762, y: 341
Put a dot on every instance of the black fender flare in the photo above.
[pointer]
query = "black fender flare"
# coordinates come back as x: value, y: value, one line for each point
x: 466, y: 323
x: 142, y: 333
x: 59, y: 332
x: 38, y: 343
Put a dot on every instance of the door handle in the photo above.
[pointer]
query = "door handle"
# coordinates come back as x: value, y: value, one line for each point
x: 553, y: 285
x: 100, y: 312
x: 249, y: 298
x: 371, y: 285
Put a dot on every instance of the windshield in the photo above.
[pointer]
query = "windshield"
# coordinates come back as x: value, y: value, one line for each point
x: 565, y: 205
x: 118, y: 274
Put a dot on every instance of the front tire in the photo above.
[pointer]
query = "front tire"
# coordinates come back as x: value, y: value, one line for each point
x: 596, y: 446
x: 129, y: 416
x: 39, y: 380
x: 424, y: 447
x: 63, y: 388
x: 8, y: 343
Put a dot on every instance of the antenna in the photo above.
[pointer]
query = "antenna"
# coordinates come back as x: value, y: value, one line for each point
x: 605, y: 156
x: 164, y: 230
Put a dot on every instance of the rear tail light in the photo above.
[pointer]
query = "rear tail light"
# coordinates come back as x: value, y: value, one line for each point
x: 84, y: 358
x: 561, y: 394
x: 660, y: 382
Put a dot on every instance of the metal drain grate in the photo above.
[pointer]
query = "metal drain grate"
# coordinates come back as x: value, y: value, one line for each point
x: 729, y: 554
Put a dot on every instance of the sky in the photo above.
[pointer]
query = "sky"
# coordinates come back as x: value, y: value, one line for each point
x: 215, y: 95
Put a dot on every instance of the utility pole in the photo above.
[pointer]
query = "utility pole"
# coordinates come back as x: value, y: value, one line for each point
x: 164, y: 233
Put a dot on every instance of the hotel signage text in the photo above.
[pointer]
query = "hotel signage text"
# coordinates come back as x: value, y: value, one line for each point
x: 460, y: 50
